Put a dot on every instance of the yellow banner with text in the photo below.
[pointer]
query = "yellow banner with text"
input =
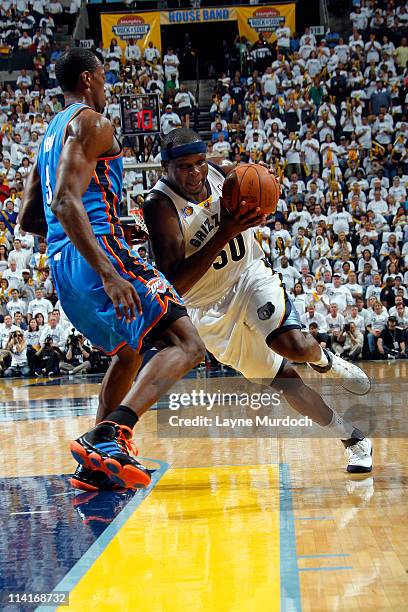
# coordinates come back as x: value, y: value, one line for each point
x: 145, y: 27
x: 139, y: 27
x: 255, y: 20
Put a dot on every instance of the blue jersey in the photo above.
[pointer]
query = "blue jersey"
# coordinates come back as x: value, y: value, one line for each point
x: 102, y: 196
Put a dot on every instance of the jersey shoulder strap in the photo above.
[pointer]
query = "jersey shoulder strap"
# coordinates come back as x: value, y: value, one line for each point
x: 216, y: 171
x: 164, y: 187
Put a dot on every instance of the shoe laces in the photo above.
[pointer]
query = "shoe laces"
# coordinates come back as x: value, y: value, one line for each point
x: 351, y: 368
x: 357, y: 450
x: 124, y: 440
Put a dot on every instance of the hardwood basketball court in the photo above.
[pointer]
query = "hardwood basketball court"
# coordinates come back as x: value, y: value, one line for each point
x: 228, y: 523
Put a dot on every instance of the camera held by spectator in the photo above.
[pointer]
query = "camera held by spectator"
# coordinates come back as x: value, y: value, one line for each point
x: 77, y: 356
x: 48, y: 358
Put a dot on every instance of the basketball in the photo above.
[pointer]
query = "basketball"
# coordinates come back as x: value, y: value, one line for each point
x: 255, y: 185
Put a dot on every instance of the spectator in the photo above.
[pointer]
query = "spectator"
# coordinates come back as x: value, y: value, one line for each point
x: 169, y: 120
x: 401, y: 53
x: 26, y: 286
x: 6, y: 329
x: 39, y: 317
x: 3, y: 258
x: 263, y: 237
x: 20, y: 256
x: 221, y: 146
x: 15, y: 304
x: 47, y: 358
x: 353, y: 342
x: 54, y: 331
x: 311, y: 316
x: 376, y: 323
x: 335, y: 325
x: 18, y: 349
x: 171, y: 64
x: 299, y: 298
x: 356, y: 318
x: 321, y: 301
x: 391, y: 342
x: 12, y: 275
x: 399, y: 300
x: 133, y: 52
x: 32, y: 339
x: 77, y: 356
x: 25, y: 41
x: 321, y: 338
x: 39, y: 305
x: 387, y: 295
x: 151, y: 53
x: 340, y: 294
x: 289, y: 273
x: 380, y: 97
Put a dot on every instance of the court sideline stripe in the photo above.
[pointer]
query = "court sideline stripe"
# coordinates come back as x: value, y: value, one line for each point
x: 80, y: 568
x: 289, y: 571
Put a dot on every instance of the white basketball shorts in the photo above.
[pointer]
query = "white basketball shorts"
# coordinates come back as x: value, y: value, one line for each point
x: 236, y: 328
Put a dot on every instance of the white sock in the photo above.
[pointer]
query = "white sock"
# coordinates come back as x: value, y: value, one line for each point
x: 343, y: 429
x: 323, y: 361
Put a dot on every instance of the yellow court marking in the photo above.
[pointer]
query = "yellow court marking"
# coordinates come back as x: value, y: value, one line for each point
x: 206, y: 539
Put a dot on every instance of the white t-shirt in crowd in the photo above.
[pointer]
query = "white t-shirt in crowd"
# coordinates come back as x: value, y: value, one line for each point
x: 335, y: 323
x: 378, y: 321
x: 340, y: 296
x: 42, y: 306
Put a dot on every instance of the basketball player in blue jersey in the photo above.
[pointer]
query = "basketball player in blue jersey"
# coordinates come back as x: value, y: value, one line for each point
x: 109, y: 294
x: 237, y: 303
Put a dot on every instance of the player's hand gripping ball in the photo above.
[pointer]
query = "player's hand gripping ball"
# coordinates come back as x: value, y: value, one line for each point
x: 253, y: 184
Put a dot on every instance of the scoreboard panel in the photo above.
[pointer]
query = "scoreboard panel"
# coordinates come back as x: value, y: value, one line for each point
x: 140, y: 114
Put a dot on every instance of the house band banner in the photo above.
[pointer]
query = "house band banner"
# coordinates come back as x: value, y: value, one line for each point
x: 206, y: 15
x: 145, y: 27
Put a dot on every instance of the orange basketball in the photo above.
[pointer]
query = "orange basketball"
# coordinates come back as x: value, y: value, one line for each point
x: 254, y: 184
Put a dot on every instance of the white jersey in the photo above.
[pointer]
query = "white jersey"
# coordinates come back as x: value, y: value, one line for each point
x: 199, y: 222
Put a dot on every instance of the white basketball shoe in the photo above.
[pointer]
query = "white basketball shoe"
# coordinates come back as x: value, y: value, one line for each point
x: 360, y: 457
x: 350, y: 376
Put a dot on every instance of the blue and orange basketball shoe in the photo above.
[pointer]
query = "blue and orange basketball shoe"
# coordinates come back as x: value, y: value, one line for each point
x: 105, y: 448
x: 92, y: 480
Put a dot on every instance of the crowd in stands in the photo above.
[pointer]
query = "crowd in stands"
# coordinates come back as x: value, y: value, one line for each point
x: 31, y: 26
x: 329, y: 115
x: 36, y: 337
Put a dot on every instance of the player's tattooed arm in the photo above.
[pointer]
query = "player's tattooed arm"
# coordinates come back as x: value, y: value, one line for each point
x: 167, y: 240
x: 90, y: 136
x: 31, y: 216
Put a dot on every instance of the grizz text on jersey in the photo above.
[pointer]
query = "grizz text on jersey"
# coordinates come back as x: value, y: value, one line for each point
x: 208, y: 226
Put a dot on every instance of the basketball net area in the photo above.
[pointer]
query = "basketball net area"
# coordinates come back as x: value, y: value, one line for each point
x: 134, y: 214
x: 137, y: 215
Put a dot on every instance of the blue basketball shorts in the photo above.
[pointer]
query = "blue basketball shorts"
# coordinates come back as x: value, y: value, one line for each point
x: 91, y: 311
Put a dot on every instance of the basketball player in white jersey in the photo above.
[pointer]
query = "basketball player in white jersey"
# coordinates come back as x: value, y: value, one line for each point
x: 237, y: 303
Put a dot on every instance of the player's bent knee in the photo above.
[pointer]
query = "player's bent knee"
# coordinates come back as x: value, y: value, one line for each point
x: 301, y: 348
x: 195, y: 350
x: 128, y: 357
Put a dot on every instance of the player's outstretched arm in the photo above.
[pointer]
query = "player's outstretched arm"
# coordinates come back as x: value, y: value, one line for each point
x: 31, y: 216
x: 167, y: 240
x: 90, y: 136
